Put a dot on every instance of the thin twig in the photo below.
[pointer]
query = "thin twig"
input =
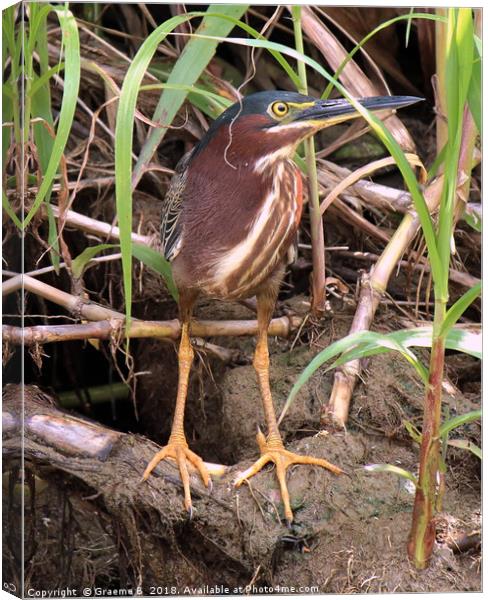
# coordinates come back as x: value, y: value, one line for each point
x: 84, y: 223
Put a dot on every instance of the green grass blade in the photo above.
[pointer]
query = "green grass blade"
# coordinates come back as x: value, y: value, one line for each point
x: 474, y: 92
x: 42, y: 81
x: 457, y: 338
x: 79, y: 263
x: 470, y: 417
x: 195, y: 57
x: 472, y: 216
x: 40, y: 90
x: 383, y: 344
x: 458, y: 308
x: 368, y: 339
x: 7, y: 117
x: 70, y: 95
x: 409, y: 27
x: 12, y: 46
x: 156, y: 261
x: 409, y: 17
x: 464, y: 340
x: 9, y: 210
x: 208, y: 102
x: 459, y: 66
x: 37, y: 22
x: 368, y: 343
x: 436, y: 164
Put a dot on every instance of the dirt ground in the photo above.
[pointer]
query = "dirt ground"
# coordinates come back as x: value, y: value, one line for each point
x: 350, y: 531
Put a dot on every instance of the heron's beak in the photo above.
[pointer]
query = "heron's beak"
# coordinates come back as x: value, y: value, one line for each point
x: 324, y: 113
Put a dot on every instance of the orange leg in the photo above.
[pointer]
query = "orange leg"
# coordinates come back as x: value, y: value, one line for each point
x: 177, y: 446
x: 271, y: 447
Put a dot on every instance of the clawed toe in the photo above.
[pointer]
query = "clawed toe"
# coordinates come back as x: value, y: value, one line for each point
x: 179, y: 452
x: 283, y: 459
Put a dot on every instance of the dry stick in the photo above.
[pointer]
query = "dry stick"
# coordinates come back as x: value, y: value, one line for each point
x: 459, y: 277
x: 352, y: 77
x: 346, y: 213
x: 102, y: 330
x: 108, y: 328
x: 373, y: 286
x: 44, y: 270
x: 375, y: 194
x: 100, y: 228
x: 358, y: 174
x: 111, y: 321
x: 84, y: 183
x: 384, y: 198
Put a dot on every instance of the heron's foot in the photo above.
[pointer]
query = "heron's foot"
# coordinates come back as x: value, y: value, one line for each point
x: 272, y: 450
x: 177, y: 449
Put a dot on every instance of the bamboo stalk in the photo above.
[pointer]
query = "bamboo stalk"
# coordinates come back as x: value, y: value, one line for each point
x: 90, y: 311
x: 114, y: 327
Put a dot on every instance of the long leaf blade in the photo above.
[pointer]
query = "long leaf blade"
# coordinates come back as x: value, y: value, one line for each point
x: 156, y: 261
x: 71, y: 43
x: 196, y: 55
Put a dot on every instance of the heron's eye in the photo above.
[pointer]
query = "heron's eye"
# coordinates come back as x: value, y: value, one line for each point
x: 280, y: 109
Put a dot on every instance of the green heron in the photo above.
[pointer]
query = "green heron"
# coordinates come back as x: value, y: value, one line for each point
x: 230, y: 215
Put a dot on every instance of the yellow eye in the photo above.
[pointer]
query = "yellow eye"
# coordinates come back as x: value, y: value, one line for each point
x: 280, y: 109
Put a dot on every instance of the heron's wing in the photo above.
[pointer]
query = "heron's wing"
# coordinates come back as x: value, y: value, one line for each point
x: 171, y: 227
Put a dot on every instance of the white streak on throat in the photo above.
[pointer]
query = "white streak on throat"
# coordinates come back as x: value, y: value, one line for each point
x: 267, y: 161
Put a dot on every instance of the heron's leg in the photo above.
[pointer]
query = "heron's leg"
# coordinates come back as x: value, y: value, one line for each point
x: 271, y: 446
x: 177, y: 446
x: 265, y: 306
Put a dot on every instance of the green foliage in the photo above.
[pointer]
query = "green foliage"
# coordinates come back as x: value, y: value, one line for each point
x: 459, y: 307
x: 459, y: 421
x: 195, y: 56
x: 368, y: 343
x: 472, y: 216
x: 156, y: 261
x: 32, y: 119
x: 80, y: 263
x: 51, y: 154
x: 387, y: 468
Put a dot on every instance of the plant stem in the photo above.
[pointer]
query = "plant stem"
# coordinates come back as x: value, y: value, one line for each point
x: 422, y: 534
x: 316, y: 226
